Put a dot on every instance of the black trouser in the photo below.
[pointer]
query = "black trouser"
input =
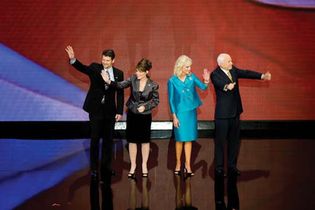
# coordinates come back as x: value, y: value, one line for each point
x: 101, y: 129
x: 232, y: 192
x: 226, y: 131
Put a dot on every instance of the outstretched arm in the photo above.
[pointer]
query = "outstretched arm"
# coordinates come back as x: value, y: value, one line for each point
x: 116, y: 84
x: 249, y: 74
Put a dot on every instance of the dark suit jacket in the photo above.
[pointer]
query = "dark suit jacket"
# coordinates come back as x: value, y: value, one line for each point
x: 150, y: 94
x: 92, y: 104
x: 229, y: 103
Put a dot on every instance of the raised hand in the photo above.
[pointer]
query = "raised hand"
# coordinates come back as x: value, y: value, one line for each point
x: 70, y: 52
x: 206, y: 75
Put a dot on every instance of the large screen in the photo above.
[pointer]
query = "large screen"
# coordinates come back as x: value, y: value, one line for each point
x: 38, y: 84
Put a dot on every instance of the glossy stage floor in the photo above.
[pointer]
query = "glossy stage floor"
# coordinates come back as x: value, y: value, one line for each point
x: 275, y: 174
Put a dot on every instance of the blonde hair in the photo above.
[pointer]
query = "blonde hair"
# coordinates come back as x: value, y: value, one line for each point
x: 180, y: 63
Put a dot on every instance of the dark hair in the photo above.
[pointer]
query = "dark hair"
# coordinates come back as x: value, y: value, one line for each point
x: 109, y: 53
x: 144, y: 65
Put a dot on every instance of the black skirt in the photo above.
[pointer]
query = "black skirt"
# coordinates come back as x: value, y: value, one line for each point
x: 138, y: 127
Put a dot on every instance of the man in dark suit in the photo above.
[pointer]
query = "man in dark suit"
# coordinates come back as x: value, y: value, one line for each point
x: 227, y: 125
x: 105, y: 106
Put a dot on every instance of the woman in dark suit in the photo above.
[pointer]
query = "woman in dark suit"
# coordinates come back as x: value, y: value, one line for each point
x: 143, y: 98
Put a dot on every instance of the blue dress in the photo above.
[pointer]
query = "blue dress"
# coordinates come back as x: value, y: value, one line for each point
x: 184, y: 101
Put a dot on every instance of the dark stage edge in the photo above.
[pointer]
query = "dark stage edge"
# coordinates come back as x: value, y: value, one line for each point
x: 160, y: 129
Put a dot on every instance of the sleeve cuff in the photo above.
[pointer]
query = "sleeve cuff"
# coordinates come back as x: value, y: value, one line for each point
x: 73, y: 60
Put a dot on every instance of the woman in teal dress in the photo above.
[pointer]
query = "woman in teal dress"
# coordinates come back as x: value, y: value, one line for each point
x: 184, y: 101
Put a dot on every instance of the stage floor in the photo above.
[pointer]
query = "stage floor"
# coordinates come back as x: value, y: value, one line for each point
x: 275, y: 174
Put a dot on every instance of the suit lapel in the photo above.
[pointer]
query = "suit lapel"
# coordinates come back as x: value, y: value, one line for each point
x: 115, y: 74
x: 136, y: 89
x: 232, y: 71
x: 223, y: 75
x: 148, y: 85
x: 99, y: 68
x: 179, y: 83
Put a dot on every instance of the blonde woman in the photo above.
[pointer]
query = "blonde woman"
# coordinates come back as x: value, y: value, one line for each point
x: 184, y: 101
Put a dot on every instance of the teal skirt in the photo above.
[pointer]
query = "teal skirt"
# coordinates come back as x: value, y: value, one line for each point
x: 187, y: 130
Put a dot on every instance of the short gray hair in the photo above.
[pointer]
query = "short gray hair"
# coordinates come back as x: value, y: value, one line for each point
x: 221, y: 58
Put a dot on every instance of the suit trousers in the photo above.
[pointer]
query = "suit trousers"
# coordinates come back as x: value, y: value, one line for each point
x: 227, y: 132
x: 101, y: 129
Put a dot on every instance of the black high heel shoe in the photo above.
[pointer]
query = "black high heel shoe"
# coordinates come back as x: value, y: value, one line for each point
x: 145, y: 175
x: 131, y: 175
x: 188, y: 174
x: 177, y: 172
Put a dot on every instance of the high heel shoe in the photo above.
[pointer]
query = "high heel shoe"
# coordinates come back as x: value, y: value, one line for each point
x: 188, y: 173
x: 145, y: 175
x: 177, y: 172
x: 131, y: 175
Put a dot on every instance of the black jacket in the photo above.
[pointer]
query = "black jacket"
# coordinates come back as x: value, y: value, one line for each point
x: 228, y: 102
x: 114, y: 99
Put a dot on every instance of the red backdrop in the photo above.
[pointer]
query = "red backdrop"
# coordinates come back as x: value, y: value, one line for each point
x: 258, y: 37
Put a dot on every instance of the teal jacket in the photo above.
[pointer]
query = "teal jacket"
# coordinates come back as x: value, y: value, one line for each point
x: 182, y: 96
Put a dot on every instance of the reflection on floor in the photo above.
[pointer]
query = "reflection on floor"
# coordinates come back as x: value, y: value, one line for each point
x: 275, y: 174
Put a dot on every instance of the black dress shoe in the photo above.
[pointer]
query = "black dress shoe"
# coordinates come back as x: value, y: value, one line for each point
x: 220, y: 205
x: 234, y: 171
x: 231, y: 208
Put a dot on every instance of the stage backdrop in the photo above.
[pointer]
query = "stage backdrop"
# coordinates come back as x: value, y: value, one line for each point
x: 38, y: 84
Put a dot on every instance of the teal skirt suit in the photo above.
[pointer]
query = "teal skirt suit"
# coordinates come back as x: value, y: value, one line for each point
x: 184, y: 101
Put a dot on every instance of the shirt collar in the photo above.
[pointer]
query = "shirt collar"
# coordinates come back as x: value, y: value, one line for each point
x: 225, y: 71
x: 110, y: 71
